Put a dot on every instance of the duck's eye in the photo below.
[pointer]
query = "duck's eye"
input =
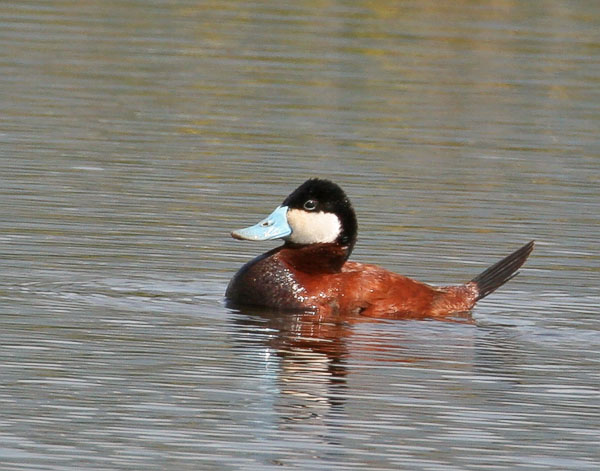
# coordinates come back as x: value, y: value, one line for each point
x: 310, y: 205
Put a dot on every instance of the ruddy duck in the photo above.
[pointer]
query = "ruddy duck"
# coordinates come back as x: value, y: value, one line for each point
x: 311, y: 271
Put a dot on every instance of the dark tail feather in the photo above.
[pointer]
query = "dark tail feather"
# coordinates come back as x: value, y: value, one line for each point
x: 499, y: 273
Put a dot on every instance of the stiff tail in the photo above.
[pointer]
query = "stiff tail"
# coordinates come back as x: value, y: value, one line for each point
x: 499, y: 273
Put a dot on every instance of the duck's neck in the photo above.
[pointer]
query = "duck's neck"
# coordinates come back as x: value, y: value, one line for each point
x: 316, y: 258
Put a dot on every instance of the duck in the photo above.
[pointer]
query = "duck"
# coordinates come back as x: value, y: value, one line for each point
x: 312, y: 272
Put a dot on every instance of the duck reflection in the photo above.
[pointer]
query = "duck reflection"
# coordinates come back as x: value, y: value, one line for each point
x: 312, y: 354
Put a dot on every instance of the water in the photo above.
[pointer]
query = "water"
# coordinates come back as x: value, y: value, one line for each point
x: 136, y: 135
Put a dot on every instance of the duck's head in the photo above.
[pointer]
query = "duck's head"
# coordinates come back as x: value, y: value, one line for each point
x: 317, y: 212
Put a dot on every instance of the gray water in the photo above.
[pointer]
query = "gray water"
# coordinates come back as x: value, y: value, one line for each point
x: 134, y: 136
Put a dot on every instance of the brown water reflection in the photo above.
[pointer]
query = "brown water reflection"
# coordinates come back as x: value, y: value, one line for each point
x: 303, y: 336
x: 314, y: 353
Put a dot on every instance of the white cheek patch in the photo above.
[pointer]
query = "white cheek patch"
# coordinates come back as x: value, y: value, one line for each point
x: 312, y: 228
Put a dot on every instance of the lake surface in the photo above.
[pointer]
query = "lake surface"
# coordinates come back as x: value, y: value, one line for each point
x: 136, y: 135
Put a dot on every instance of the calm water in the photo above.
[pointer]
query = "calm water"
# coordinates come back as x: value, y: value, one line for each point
x: 136, y: 135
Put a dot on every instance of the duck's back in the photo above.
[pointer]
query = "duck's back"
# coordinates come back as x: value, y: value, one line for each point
x: 372, y: 291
